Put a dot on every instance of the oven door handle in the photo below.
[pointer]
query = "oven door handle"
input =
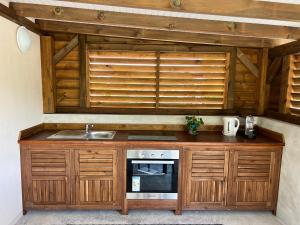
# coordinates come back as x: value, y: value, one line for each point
x: 151, y: 162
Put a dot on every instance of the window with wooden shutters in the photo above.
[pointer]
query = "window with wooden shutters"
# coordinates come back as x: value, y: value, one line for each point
x: 293, y: 93
x: 158, y: 80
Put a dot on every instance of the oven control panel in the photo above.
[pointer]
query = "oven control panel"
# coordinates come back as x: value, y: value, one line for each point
x: 152, y: 154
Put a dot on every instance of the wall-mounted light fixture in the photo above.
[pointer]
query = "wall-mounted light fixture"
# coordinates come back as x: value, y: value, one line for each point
x: 23, y: 39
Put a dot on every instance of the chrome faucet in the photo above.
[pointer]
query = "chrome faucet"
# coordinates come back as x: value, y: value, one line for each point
x: 88, y: 128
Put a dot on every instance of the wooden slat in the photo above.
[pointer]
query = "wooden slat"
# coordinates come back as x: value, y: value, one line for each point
x: 236, y: 8
x: 66, y: 50
x: 154, y: 22
x: 137, y: 34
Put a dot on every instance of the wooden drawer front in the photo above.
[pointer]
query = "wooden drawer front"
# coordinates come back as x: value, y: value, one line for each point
x: 97, y: 177
x: 252, y: 177
x: 48, y: 163
x: 96, y: 163
x: 207, y: 178
x: 49, y: 191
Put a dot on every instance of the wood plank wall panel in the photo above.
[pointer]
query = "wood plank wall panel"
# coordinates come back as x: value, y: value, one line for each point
x: 67, y: 75
x: 246, y: 98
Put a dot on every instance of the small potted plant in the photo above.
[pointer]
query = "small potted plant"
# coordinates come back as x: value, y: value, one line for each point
x: 192, y: 123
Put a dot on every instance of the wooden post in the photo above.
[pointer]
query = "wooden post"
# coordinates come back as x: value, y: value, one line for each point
x: 48, y: 74
x: 157, y: 75
x: 82, y: 70
x: 262, y: 82
x: 284, y: 84
x: 231, y: 81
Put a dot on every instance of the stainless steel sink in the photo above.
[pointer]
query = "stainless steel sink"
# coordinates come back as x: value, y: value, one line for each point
x: 101, y: 135
x: 81, y: 134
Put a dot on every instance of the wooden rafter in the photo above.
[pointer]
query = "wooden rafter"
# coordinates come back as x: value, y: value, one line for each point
x: 247, y: 63
x: 237, y: 8
x: 66, y: 50
x: 154, y: 22
x: 159, y: 35
x: 286, y: 49
x: 20, y: 20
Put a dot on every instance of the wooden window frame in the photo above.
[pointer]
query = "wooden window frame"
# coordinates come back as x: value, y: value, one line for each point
x: 228, y: 90
x: 284, y: 113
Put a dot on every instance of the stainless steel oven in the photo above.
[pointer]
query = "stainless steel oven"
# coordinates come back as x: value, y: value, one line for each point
x: 152, y: 174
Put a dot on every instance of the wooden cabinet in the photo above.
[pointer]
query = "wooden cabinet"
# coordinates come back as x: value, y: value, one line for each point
x: 48, y: 177
x: 253, y: 179
x: 91, y: 175
x: 231, y: 178
x: 206, y: 176
x: 96, y: 176
x: 70, y: 177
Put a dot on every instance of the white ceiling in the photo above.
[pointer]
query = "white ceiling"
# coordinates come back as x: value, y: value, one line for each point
x: 168, y: 13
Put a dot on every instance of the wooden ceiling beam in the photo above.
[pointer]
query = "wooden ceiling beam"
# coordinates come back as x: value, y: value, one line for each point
x: 236, y: 8
x: 157, y: 35
x: 154, y: 22
x: 285, y: 49
x: 20, y: 20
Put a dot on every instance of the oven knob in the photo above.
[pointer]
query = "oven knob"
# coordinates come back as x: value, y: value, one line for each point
x: 152, y: 155
x: 162, y: 155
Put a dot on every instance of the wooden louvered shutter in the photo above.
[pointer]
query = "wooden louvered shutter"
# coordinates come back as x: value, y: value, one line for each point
x: 121, y: 79
x: 193, y: 80
x: 293, y: 95
x: 157, y: 80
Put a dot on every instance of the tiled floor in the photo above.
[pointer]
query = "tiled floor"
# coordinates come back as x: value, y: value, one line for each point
x: 147, y: 217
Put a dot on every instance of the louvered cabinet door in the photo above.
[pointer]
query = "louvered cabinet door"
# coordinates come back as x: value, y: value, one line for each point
x: 96, y: 179
x: 206, y: 178
x: 49, y: 177
x: 254, y: 178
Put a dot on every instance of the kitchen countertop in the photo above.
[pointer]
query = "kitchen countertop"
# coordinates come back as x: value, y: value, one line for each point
x: 203, y: 138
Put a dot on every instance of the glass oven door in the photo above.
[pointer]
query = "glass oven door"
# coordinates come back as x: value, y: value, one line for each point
x: 152, y: 176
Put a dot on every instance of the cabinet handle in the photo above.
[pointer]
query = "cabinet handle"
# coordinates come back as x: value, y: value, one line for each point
x: 66, y: 179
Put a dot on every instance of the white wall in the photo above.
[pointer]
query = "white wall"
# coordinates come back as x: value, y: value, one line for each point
x: 21, y: 107
x: 125, y: 119
x: 289, y: 191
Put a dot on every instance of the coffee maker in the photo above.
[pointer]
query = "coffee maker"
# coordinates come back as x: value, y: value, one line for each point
x: 249, y: 127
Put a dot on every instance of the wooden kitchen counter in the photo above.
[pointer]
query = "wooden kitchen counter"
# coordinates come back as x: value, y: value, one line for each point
x: 264, y: 137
